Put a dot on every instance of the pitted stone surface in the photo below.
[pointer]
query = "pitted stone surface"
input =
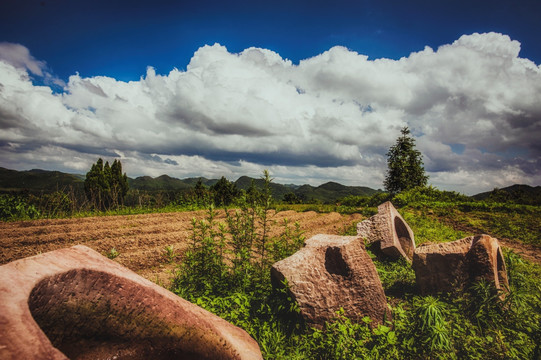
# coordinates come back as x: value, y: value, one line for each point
x: 389, y: 229
x: 485, y: 260
x: 445, y: 267
x: 441, y: 267
x: 329, y: 273
x: 75, y: 303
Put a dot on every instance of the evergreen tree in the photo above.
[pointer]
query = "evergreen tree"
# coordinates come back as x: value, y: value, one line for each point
x: 93, y: 181
x: 291, y: 198
x: 405, y: 165
x: 105, y: 185
x: 119, y: 183
x: 224, y: 191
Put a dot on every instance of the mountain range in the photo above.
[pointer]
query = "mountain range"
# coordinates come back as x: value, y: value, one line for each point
x: 37, y: 180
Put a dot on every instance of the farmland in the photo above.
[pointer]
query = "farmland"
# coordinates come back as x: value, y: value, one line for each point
x: 140, y: 240
x: 185, y: 255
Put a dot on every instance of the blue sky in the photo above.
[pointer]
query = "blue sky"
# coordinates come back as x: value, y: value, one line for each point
x: 121, y: 38
x: 313, y: 90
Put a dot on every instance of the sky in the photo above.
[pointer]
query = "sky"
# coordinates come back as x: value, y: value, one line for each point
x: 313, y: 91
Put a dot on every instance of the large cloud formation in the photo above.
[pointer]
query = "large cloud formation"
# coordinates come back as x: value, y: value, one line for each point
x: 473, y: 105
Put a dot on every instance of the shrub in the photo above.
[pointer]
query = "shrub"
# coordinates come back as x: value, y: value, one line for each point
x: 475, y: 324
x: 16, y: 208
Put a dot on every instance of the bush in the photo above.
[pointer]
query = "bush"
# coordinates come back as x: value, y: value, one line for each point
x: 16, y: 208
x: 423, y: 195
x: 234, y: 282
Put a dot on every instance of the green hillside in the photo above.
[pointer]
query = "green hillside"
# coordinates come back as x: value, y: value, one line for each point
x: 37, y: 180
x: 163, y: 182
x: 278, y: 190
x: 520, y: 194
x: 205, y: 181
x: 330, y: 192
x: 49, y: 181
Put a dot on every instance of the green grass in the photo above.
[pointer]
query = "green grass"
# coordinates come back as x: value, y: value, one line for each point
x: 524, y: 227
x: 427, y: 229
x: 468, y: 324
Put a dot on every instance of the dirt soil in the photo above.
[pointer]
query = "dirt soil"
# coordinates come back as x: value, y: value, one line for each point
x: 140, y: 239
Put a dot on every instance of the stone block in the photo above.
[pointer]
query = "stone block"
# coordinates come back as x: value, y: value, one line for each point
x: 387, y: 227
x: 446, y: 267
x: 329, y: 273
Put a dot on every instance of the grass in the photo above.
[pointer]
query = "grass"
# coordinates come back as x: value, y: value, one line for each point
x: 428, y: 229
x: 525, y: 227
x: 113, y: 253
x: 470, y: 324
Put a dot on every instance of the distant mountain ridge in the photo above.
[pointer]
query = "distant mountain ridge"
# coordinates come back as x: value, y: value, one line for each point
x: 48, y: 181
x: 518, y: 193
x: 163, y: 182
x: 37, y: 180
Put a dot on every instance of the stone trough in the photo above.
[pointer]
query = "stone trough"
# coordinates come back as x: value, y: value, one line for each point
x: 390, y: 230
x: 75, y: 303
x: 446, y: 267
x: 333, y: 272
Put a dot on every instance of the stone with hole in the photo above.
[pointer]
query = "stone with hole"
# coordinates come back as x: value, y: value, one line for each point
x: 387, y: 227
x: 329, y: 273
x: 486, y: 261
x: 446, y: 267
x: 75, y: 303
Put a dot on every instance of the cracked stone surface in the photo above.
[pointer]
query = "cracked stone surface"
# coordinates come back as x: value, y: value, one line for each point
x: 387, y: 227
x: 75, y: 303
x: 329, y: 273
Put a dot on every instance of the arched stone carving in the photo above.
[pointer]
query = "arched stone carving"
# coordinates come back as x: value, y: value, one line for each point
x: 387, y: 227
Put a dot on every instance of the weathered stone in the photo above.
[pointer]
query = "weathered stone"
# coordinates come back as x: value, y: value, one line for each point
x: 441, y: 267
x: 391, y: 231
x: 329, y: 273
x: 445, y: 267
x: 75, y: 303
x: 486, y: 261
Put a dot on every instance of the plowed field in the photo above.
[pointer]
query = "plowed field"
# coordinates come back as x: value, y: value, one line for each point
x: 139, y: 239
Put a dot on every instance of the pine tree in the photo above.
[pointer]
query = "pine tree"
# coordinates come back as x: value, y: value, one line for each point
x: 119, y: 183
x: 105, y: 185
x: 225, y: 192
x: 405, y: 165
x: 93, y: 181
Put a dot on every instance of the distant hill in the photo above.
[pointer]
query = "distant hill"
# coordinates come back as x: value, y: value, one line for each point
x: 163, y: 182
x: 38, y: 180
x: 520, y: 194
x: 193, y: 181
x: 48, y: 181
x: 330, y: 192
x: 278, y: 190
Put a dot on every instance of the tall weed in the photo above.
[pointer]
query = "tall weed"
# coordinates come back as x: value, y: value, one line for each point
x: 478, y: 323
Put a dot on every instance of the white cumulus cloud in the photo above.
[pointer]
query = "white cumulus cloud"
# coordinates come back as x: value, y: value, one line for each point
x: 473, y: 106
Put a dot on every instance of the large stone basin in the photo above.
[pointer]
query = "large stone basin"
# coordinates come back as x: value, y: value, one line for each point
x: 75, y: 303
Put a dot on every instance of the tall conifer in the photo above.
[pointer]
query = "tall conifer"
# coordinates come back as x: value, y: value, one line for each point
x: 405, y: 165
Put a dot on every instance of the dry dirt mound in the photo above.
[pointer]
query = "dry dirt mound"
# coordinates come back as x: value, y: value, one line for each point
x: 140, y: 239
